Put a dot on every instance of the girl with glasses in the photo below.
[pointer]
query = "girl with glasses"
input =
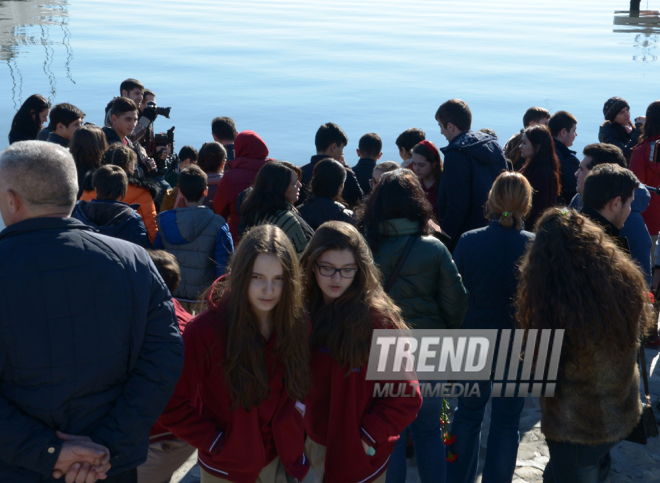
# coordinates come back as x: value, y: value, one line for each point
x: 351, y: 434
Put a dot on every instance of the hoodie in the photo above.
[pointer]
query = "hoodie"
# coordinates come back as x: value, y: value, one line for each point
x: 250, y: 155
x: 473, y: 160
x: 115, y: 219
x: 200, y: 241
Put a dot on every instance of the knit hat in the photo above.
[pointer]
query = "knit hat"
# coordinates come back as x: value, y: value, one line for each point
x: 613, y: 106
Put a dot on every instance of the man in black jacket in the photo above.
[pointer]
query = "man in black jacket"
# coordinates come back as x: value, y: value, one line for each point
x: 608, y: 193
x: 563, y: 126
x: 330, y: 143
x: 90, y: 349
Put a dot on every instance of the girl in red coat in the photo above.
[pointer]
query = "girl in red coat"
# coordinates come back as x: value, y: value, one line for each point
x: 351, y: 433
x: 245, y: 367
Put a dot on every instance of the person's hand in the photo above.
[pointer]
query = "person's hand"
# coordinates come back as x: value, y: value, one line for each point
x: 640, y: 119
x: 343, y: 161
x: 150, y: 163
x: 81, y: 460
x: 150, y: 113
x: 628, y: 128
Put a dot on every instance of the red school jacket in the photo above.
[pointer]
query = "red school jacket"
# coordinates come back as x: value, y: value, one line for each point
x: 648, y: 173
x: 341, y: 412
x: 233, y: 445
x: 251, y: 153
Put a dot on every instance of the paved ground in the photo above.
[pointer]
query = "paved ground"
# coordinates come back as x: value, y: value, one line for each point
x: 631, y: 463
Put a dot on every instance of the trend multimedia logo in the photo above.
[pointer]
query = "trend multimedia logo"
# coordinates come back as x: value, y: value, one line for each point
x: 465, y: 355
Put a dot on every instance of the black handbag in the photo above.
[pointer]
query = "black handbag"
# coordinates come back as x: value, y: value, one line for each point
x: 647, y: 427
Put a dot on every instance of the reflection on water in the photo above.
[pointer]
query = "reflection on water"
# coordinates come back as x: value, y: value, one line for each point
x: 27, y: 24
x: 645, y: 24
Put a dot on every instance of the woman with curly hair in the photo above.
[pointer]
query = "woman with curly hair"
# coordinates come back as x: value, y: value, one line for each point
x: 575, y: 278
x: 351, y: 433
x: 541, y: 168
x: 245, y: 366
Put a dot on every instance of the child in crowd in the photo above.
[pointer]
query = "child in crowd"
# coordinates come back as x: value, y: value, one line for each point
x: 369, y: 152
x: 617, y: 128
x: 212, y: 158
x: 541, y: 169
x: 245, y: 366
x: 326, y: 203
x: 198, y: 238
x: 187, y: 156
x: 166, y: 452
x: 427, y: 165
x: 276, y: 189
x: 140, y: 191
x: 563, y: 127
x: 87, y: 147
x: 29, y: 119
x: 406, y: 141
x: 533, y: 117
x: 107, y: 213
x: 351, y: 434
x: 65, y: 120
x: 384, y: 167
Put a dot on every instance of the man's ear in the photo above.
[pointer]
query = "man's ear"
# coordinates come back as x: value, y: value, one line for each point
x: 215, y: 138
x: 451, y: 127
x: 358, y: 153
x: 124, y: 93
x: 14, y: 201
x: 615, y: 204
x: 113, y: 118
x: 58, y: 126
x: 379, y: 155
x: 206, y: 191
x: 563, y: 133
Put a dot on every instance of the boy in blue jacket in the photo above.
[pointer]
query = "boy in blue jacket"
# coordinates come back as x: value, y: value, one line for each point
x: 107, y: 213
x: 198, y: 238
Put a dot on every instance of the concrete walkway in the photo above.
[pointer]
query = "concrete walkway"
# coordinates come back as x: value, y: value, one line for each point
x: 630, y: 462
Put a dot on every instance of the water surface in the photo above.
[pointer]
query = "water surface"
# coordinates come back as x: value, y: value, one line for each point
x: 282, y: 68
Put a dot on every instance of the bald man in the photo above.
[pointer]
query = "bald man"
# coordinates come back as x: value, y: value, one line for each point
x: 90, y: 350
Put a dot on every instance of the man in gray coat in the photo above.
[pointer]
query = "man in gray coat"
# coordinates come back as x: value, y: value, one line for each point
x: 90, y: 349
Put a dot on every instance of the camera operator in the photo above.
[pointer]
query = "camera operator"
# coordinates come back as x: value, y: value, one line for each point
x: 144, y: 131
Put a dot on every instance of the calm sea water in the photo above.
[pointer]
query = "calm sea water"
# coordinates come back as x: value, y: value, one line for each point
x: 282, y: 68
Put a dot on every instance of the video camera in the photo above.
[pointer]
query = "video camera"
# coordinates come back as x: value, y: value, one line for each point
x: 162, y: 140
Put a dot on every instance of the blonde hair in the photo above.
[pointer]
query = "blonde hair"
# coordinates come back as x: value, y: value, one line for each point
x: 510, y: 199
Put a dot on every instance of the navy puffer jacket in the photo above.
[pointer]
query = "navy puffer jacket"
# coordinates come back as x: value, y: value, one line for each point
x: 89, y: 345
x: 473, y: 160
x: 113, y: 218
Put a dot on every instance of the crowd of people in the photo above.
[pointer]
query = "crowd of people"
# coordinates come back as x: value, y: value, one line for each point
x: 274, y: 277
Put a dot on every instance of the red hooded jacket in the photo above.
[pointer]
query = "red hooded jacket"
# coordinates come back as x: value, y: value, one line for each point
x: 232, y: 444
x: 341, y: 412
x: 648, y: 173
x: 158, y: 431
x: 250, y: 155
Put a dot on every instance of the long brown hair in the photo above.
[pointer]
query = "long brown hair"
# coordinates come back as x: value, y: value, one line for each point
x: 575, y: 278
x: 651, y: 127
x: 345, y: 327
x: 244, y: 362
x: 545, y: 157
x: 87, y: 147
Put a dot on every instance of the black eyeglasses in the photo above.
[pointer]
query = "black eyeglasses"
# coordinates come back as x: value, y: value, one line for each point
x: 330, y: 271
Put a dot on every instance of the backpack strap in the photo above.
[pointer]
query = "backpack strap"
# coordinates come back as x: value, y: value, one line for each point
x: 399, y: 265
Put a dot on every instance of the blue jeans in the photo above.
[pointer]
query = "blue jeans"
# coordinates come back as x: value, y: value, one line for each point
x: 577, y: 463
x: 503, y: 437
x: 429, y: 449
